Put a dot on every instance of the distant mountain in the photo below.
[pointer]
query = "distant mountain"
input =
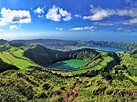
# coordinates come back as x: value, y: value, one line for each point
x: 62, y: 44
x: 2, y: 41
x: 50, y: 43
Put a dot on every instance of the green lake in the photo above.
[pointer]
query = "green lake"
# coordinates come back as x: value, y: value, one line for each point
x: 68, y: 64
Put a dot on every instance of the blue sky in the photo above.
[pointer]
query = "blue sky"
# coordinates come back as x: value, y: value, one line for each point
x: 70, y: 19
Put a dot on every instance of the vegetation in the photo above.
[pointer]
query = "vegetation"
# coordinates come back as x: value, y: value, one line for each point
x: 105, y: 77
x: 15, y: 56
x: 33, y: 85
x: 47, y: 57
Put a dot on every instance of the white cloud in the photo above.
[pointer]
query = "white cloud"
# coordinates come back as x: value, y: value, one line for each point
x: 104, y: 24
x: 39, y: 10
x: 59, y: 28
x: 123, y: 30
x: 1, y: 30
x: 78, y: 28
x: 119, y: 29
x: 66, y: 16
x: 53, y: 14
x: 2, y: 22
x: 132, y: 21
x: 13, y: 27
x: 92, y: 28
x: 127, y: 12
x: 58, y: 14
x: 78, y: 16
x: 14, y: 16
x: 100, y: 14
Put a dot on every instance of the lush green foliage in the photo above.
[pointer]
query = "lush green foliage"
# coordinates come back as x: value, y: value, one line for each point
x: 15, y: 56
x: 105, y: 77
x: 32, y: 85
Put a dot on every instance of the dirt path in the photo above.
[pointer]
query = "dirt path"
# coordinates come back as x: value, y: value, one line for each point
x: 71, y: 93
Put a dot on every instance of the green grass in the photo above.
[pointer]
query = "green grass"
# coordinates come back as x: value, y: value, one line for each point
x: 131, y: 77
x: 82, y: 71
x: 103, y: 53
x: 17, y: 51
x: 39, y: 86
x: 99, y: 76
x: 15, y: 57
x: 129, y: 60
x: 106, y: 59
x: 33, y: 85
x: 2, y: 56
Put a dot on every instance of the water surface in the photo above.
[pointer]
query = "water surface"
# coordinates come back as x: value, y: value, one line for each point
x: 114, y: 49
x: 68, y: 64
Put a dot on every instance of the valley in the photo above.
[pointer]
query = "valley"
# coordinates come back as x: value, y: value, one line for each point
x: 68, y: 51
x: 34, y: 73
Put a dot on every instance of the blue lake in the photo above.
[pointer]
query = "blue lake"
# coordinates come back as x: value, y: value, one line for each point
x: 114, y: 49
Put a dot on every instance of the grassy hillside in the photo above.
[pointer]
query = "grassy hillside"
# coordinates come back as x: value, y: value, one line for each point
x: 5, y: 66
x: 96, y: 61
x: 33, y: 85
x: 95, y: 65
x: 106, y: 76
x: 130, y: 64
x: 15, y: 56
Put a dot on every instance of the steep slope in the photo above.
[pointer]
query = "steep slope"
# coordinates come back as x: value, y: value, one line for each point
x: 96, y: 61
x: 106, y: 77
x: 45, y: 56
x: 25, y: 56
x: 4, y: 66
x: 15, y: 56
